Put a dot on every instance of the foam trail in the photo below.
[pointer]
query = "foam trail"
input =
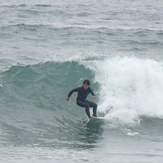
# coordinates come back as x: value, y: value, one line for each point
x: 132, y: 86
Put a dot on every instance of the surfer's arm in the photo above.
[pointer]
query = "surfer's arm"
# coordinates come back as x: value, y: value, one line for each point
x: 93, y: 94
x: 71, y: 92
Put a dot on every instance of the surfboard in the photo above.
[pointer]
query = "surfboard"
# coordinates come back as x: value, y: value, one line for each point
x: 96, y: 119
x: 95, y: 122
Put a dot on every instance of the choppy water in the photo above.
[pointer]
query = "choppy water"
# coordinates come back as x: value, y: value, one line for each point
x: 48, y: 47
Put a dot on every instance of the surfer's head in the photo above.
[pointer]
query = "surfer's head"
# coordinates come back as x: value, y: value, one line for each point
x: 86, y: 84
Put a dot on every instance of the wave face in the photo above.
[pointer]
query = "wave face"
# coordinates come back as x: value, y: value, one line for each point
x: 34, y: 107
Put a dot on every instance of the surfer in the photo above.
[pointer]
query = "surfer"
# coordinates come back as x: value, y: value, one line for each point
x: 82, y: 93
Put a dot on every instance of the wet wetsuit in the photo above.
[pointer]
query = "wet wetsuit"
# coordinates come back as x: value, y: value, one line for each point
x: 81, y: 99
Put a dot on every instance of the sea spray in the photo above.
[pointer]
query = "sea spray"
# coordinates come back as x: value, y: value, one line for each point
x: 131, y: 86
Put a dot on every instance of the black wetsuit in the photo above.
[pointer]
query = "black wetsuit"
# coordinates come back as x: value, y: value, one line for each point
x: 81, y: 99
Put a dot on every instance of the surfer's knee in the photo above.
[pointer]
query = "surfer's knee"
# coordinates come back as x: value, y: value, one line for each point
x: 87, y: 105
x: 87, y: 108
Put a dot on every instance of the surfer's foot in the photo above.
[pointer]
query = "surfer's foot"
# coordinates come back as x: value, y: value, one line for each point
x: 94, y: 115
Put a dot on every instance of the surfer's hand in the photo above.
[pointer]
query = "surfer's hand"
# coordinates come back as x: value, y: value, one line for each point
x: 67, y: 98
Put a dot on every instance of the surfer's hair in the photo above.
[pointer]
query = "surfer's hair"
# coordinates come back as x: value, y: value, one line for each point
x: 86, y: 82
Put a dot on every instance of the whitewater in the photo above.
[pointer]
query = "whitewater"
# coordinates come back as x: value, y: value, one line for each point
x: 49, y: 47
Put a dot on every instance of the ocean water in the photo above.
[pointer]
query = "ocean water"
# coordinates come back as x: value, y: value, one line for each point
x: 48, y: 47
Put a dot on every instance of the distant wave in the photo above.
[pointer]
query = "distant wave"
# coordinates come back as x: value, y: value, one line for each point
x: 24, y: 5
x: 98, y: 29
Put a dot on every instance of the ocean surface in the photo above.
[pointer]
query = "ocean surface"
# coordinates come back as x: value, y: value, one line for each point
x: 47, y: 47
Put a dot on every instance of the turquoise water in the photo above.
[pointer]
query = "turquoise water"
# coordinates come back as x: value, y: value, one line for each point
x: 49, y: 47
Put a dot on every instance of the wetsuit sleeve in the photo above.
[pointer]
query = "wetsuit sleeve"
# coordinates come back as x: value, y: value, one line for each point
x: 72, y: 91
x: 93, y: 94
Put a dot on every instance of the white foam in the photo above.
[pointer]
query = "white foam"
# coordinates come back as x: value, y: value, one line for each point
x: 132, y: 86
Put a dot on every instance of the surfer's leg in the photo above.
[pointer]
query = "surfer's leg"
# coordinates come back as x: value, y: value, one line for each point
x: 85, y: 104
x: 95, y: 110
x: 87, y: 112
x: 92, y: 104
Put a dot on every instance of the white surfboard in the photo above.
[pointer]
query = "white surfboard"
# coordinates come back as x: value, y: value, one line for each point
x: 96, y: 119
